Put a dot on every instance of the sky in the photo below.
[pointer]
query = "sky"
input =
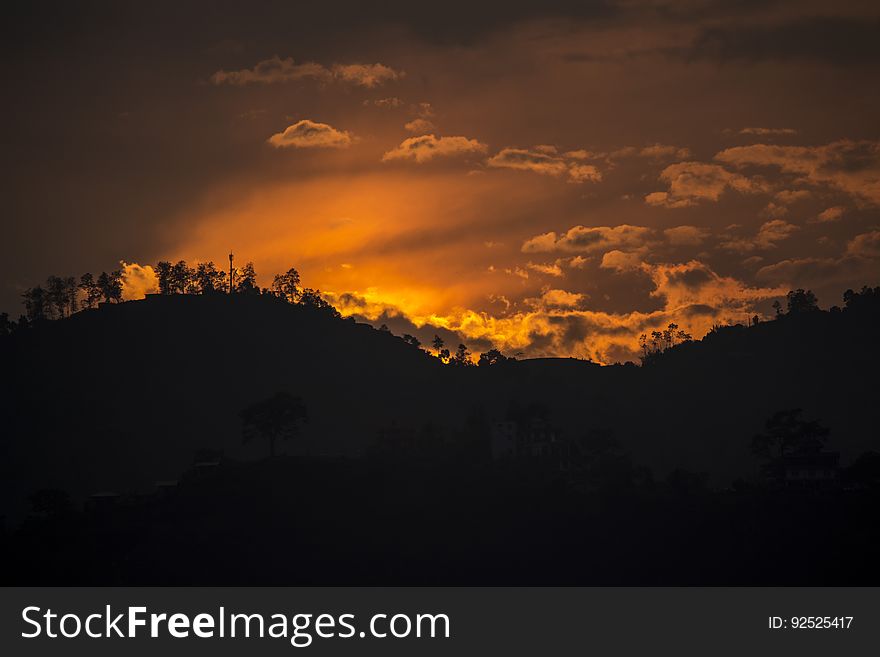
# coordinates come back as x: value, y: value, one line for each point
x: 550, y: 180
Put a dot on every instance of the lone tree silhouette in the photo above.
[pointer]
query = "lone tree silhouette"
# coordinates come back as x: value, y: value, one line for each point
x: 442, y: 352
x: 90, y: 289
x: 246, y: 280
x: 800, y: 301
x: 110, y: 286
x: 462, y: 357
x: 492, y: 357
x: 286, y: 285
x: 786, y: 433
x: 279, y: 416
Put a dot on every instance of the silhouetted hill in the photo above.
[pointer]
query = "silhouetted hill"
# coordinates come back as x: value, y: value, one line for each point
x: 123, y: 396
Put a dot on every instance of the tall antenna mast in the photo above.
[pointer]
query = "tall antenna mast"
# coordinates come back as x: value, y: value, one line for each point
x: 231, y: 273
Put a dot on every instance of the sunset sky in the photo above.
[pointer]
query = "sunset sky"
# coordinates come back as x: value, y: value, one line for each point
x: 549, y: 178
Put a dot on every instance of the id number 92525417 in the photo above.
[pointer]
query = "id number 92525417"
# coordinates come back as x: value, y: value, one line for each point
x: 810, y: 622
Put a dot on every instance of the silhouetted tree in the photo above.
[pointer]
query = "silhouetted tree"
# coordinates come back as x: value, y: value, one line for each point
x: 278, y: 417
x: 787, y: 433
x: 286, y: 285
x: 867, y: 298
x: 246, y: 280
x: 36, y: 304
x: 58, y: 291
x: 310, y: 298
x: 670, y: 335
x: 181, y: 280
x: 411, y: 339
x: 111, y: 286
x: 492, y: 357
x: 91, y: 291
x: 7, y: 327
x: 384, y: 328
x: 165, y: 276
x: 437, y: 343
x: 72, y: 288
x: 778, y: 308
x: 462, y: 357
x: 800, y: 301
x: 660, y: 341
x: 207, y: 279
x: 656, y: 341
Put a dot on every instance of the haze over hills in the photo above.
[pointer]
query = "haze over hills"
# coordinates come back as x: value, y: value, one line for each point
x: 123, y: 396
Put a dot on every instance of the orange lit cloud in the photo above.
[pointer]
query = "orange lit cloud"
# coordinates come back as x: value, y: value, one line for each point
x: 768, y: 236
x: 847, y: 165
x: 138, y: 281
x: 543, y: 159
x: 365, y: 75
x: 692, y: 182
x: 419, y: 126
x: 693, y: 296
x: 664, y: 151
x: 427, y: 147
x: 589, y: 240
x: 310, y: 134
x: 833, y: 213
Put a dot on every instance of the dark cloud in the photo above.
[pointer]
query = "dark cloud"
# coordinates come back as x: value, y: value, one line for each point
x: 691, y: 278
x: 460, y: 21
x: 833, y: 40
x: 700, y: 309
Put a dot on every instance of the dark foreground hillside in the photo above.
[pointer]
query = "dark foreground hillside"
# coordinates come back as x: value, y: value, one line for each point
x: 376, y: 522
x: 123, y: 459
